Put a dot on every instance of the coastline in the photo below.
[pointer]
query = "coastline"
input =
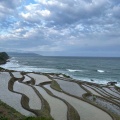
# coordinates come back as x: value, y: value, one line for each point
x: 80, y: 70
x: 62, y: 84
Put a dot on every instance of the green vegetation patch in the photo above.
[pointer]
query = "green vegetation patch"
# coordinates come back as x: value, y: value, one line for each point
x: 55, y: 86
x: 117, y: 88
x: 9, y: 113
x: 73, y: 114
x: 37, y: 118
x: 45, y: 110
x: 1, y: 69
x: 66, y: 76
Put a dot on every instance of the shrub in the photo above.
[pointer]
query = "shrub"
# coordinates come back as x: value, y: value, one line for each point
x: 3, y: 118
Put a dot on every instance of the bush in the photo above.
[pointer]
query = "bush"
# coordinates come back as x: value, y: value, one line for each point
x: 3, y: 118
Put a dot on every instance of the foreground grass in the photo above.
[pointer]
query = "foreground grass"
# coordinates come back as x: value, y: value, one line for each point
x: 9, y: 113
x: 37, y: 118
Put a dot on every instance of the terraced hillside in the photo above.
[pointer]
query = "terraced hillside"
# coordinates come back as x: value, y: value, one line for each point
x: 58, y: 97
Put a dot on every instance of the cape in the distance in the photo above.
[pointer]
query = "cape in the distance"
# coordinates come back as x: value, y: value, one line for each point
x: 22, y: 54
x: 3, y: 57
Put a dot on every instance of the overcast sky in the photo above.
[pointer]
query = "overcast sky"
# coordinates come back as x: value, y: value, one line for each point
x: 61, y: 27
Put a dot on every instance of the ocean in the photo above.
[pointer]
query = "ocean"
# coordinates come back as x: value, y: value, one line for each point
x: 100, y: 70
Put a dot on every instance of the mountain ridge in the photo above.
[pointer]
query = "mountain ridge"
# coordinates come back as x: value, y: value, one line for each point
x: 22, y: 54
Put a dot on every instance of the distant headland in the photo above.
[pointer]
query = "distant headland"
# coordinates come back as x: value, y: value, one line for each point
x: 22, y: 54
x: 3, y: 57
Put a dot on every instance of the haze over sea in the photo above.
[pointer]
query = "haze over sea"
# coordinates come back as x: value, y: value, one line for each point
x: 100, y: 70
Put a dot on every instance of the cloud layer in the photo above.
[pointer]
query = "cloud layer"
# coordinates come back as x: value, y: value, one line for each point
x: 61, y: 27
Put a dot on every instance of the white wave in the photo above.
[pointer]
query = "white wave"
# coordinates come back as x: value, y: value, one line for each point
x: 118, y: 84
x: 98, y: 81
x: 15, y: 65
x: 11, y: 64
x: 33, y: 69
x: 100, y: 71
x: 71, y: 70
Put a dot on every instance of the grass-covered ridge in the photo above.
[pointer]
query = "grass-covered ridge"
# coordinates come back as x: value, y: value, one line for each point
x: 9, y: 113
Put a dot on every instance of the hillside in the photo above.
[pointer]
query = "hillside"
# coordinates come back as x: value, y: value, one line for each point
x: 3, y: 57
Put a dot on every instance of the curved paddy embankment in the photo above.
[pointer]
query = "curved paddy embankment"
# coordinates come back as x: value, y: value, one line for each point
x: 72, y: 88
x: 34, y: 101
x: 17, y: 74
x: 85, y: 110
x: 10, y: 98
x: 91, y: 90
x: 114, y: 90
x: 104, y: 93
x: 39, y: 78
x: 114, y: 94
x: 25, y: 100
x: 98, y: 90
x: 63, y: 102
x: 104, y: 103
x: 58, y: 108
x: 26, y: 78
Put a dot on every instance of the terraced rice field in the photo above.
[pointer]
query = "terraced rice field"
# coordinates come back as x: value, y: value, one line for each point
x: 58, y: 108
x: 34, y: 101
x: 39, y: 78
x: 109, y: 105
x: 12, y: 99
x: 114, y: 90
x: 17, y: 74
x: 117, y: 100
x: 39, y: 99
x: 26, y: 79
x: 99, y: 90
x: 106, y: 92
x: 91, y: 90
x: 76, y: 89
x: 85, y: 110
x: 111, y: 92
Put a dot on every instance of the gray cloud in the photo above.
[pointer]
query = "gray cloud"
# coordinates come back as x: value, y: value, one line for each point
x: 58, y: 26
x: 11, y: 4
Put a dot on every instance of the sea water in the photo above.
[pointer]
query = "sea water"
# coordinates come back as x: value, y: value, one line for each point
x: 98, y: 70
